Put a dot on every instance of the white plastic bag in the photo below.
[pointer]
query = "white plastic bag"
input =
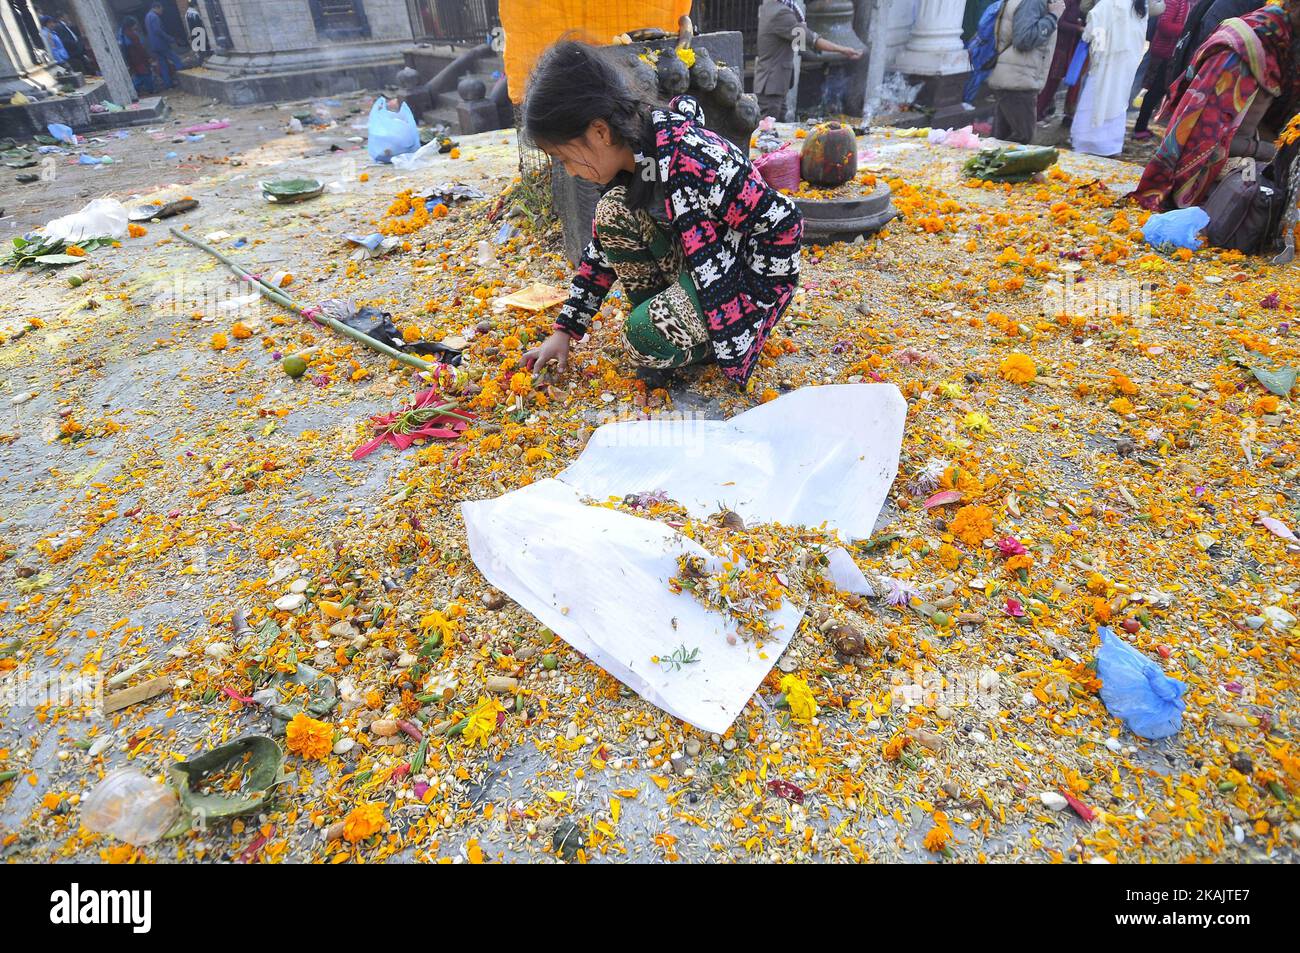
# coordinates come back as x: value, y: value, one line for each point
x: 599, y: 578
x: 102, y: 218
x: 391, y: 133
x: 421, y: 158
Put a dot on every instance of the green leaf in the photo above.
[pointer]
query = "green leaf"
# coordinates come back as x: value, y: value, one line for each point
x: 1277, y: 382
x: 58, y: 259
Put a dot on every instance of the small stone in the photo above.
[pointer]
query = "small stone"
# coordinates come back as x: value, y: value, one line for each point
x: 384, y: 727
x: 282, y: 569
x: 1242, y: 762
x: 692, y: 747
x: 298, y: 585
x: 1053, y: 801
x: 1279, y: 619
x: 344, y: 745
x: 219, y: 650
x: 293, y: 600
x: 729, y: 744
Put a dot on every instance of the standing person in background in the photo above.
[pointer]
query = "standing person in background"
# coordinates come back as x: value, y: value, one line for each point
x: 1116, y: 35
x: 1025, y: 37
x: 1168, y: 30
x: 52, y: 42
x: 137, y: 58
x: 194, y: 28
x: 1155, y: 9
x: 1219, y: 11
x: 970, y: 21
x: 159, y: 42
x: 73, y: 43
x: 782, y: 27
x: 1069, y: 29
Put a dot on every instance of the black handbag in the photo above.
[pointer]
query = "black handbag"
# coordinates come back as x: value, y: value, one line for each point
x: 1245, y: 208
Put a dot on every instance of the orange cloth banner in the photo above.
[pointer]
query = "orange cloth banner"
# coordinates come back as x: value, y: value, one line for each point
x: 533, y: 25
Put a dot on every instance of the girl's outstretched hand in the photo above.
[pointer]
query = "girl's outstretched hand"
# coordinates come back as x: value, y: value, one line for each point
x: 554, y: 348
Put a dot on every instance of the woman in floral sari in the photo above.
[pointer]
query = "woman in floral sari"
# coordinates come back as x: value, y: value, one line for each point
x: 1247, y: 68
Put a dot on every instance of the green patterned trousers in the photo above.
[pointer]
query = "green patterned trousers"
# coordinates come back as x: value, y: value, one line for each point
x: 666, y: 327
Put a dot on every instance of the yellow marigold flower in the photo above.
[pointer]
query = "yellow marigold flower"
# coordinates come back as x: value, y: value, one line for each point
x: 1020, y: 562
x: 308, y: 737
x: 437, y: 622
x: 803, y: 707
x: 219, y: 341
x: 241, y: 331
x: 937, y: 839
x: 76, y: 251
x: 949, y: 556
x: 1122, y: 405
x: 363, y: 821
x: 894, y: 747
x: 521, y: 383
x: 482, y: 722
x: 1018, y: 368
x: 686, y: 55
x: 976, y: 422
x: 535, y: 455
x: 1122, y: 383
x: 136, y: 231
x: 972, y: 524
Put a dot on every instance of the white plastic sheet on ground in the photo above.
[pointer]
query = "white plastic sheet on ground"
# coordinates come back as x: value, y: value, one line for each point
x: 102, y: 218
x: 599, y: 578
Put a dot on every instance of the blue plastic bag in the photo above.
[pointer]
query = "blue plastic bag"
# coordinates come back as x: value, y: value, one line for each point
x: 391, y: 133
x: 1075, y: 69
x: 61, y: 133
x: 1180, y: 228
x: 1134, y: 689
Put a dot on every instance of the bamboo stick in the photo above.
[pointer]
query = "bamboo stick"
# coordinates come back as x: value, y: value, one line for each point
x: 279, y: 297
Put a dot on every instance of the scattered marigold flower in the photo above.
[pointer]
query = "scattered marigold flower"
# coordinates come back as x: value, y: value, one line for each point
x: 803, y: 707
x: 308, y: 737
x: 1018, y: 368
x: 219, y: 342
x: 363, y: 821
x: 482, y: 722
x: 136, y: 231
x: 972, y: 524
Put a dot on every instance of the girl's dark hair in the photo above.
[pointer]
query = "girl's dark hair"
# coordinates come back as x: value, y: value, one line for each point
x: 572, y: 85
x: 1140, y: 7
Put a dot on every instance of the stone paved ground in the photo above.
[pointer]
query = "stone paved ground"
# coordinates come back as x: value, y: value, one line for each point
x: 164, y: 467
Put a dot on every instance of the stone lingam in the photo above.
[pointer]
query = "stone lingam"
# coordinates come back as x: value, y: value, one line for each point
x: 842, y: 208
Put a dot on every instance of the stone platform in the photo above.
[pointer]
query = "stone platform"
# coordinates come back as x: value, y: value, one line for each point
x: 73, y: 109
